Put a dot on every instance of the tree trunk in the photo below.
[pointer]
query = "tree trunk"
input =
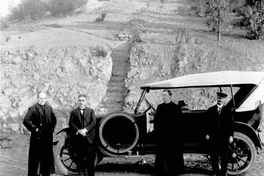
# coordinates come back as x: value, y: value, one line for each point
x: 218, y: 35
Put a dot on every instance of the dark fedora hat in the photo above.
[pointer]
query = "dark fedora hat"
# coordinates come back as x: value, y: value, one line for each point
x: 182, y: 103
x: 221, y: 95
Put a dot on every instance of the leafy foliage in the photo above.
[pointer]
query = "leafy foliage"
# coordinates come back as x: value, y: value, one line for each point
x: 99, y: 51
x: 250, y: 15
x: 36, y: 9
x: 103, y: 15
x: 28, y: 9
x: 198, y: 8
x: 251, y: 18
x: 64, y: 7
x: 218, y: 13
x: 4, y: 23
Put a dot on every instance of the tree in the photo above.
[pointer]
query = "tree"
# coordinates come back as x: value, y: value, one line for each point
x: 252, y: 18
x: 64, y: 7
x: 218, y: 13
x: 28, y: 9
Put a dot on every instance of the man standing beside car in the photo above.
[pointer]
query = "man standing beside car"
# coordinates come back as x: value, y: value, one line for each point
x: 169, y: 155
x: 40, y: 120
x: 221, y: 132
x: 82, y: 125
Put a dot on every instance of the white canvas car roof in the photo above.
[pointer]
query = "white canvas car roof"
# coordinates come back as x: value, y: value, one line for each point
x: 209, y: 79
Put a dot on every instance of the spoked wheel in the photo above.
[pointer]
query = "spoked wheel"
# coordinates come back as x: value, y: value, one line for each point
x: 65, y: 158
x: 242, y: 154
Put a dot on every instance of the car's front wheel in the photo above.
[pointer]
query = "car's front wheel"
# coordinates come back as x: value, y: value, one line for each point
x: 242, y: 154
x: 65, y: 158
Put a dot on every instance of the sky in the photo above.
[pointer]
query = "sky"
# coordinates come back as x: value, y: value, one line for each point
x: 4, y: 6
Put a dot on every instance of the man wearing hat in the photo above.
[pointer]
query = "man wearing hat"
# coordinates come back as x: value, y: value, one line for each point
x: 220, y: 134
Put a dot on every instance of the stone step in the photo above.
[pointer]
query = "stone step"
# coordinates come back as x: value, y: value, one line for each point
x: 120, y: 56
x: 121, y: 61
x: 117, y: 78
x: 122, y: 72
x: 114, y: 94
x: 119, y: 74
x: 116, y: 84
x: 113, y: 89
x: 112, y: 100
x: 116, y: 90
x: 120, y: 64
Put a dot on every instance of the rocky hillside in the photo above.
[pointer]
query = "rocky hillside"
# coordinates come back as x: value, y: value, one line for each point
x: 109, y: 60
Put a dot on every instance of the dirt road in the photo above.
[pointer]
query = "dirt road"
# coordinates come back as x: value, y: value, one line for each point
x: 14, y: 152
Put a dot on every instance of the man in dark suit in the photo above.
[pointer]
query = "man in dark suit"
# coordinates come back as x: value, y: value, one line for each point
x: 82, y: 124
x: 169, y: 155
x: 221, y: 125
x: 40, y: 120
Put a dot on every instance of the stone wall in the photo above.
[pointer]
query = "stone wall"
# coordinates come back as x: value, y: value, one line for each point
x: 62, y: 72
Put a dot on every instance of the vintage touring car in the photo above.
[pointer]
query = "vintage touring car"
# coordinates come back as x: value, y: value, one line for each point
x: 127, y: 134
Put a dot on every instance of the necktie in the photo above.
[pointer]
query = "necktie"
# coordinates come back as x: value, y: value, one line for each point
x: 82, y: 116
x: 219, y: 110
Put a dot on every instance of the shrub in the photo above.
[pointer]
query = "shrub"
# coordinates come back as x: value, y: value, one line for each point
x: 64, y: 7
x: 99, y: 51
x: 197, y: 8
x: 7, y: 38
x: 103, y: 15
x: 28, y: 9
x: 4, y: 23
x: 252, y: 20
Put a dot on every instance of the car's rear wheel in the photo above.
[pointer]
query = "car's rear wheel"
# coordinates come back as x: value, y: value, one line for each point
x: 65, y: 158
x: 242, y: 154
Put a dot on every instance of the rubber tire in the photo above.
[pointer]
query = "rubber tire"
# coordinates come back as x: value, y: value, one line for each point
x: 253, y: 151
x: 103, y: 121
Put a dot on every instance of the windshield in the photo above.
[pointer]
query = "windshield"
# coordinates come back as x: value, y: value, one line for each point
x: 194, y: 98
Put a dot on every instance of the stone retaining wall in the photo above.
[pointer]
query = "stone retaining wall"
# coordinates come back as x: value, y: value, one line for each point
x: 62, y: 72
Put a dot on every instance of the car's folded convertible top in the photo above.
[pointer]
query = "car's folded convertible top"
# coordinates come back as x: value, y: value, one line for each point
x: 209, y: 79
x: 220, y: 79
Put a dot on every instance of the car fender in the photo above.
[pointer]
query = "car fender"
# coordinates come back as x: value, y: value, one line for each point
x: 249, y: 131
x: 66, y: 130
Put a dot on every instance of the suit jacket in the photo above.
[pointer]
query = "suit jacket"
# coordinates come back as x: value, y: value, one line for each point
x: 40, y: 160
x: 88, y: 121
x: 221, y: 125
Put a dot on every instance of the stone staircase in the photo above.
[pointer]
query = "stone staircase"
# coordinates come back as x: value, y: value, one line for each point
x: 116, y: 91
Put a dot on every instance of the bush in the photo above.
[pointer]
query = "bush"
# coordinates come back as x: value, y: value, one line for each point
x: 99, y: 51
x: 4, y: 23
x: 28, y: 9
x: 198, y: 8
x: 252, y: 20
x: 64, y: 7
x: 103, y: 15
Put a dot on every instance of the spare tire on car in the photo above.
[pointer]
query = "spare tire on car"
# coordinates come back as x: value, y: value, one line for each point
x: 118, y: 133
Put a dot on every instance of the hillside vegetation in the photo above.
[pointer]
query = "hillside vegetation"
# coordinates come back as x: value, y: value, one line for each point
x: 145, y: 42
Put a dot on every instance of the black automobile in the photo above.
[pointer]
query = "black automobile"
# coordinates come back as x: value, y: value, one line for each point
x: 127, y: 134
